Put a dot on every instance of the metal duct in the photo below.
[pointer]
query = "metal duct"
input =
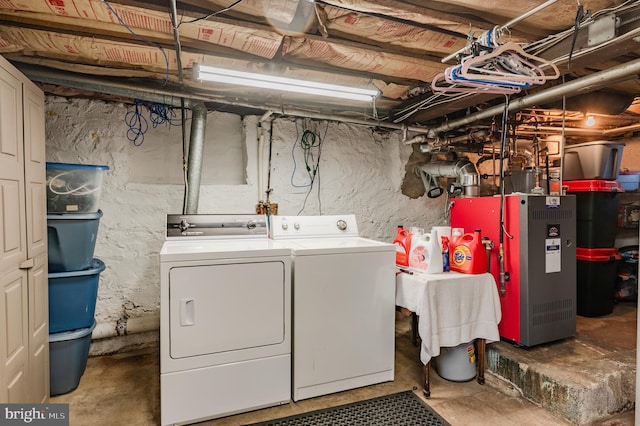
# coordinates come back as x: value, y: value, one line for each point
x: 464, y: 170
x: 196, y: 148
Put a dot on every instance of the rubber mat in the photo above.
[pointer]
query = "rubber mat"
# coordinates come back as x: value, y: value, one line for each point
x: 399, y: 409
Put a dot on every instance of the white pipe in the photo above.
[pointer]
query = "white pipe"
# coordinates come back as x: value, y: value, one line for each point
x: 126, y: 326
x: 505, y: 26
x: 264, y: 117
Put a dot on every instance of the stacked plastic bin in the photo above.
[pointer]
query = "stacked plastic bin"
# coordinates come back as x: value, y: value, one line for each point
x: 591, y: 170
x: 73, y: 217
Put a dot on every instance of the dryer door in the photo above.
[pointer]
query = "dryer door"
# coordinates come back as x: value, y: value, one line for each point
x: 226, y: 307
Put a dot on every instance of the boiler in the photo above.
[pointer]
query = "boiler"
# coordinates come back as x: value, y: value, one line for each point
x: 537, y: 279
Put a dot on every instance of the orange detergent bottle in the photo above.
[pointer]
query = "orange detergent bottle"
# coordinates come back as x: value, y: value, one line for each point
x: 403, y: 246
x: 468, y: 254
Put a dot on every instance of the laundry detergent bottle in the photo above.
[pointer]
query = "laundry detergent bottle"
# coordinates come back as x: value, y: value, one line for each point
x: 426, y: 255
x: 468, y: 254
x: 403, y: 246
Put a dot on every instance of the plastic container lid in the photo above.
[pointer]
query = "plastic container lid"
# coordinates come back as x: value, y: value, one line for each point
x: 74, y: 216
x: 71, y: 335
x: 75, y: 166
x: 96, y: 267
x: 597, y: 254
x: 593, y: 185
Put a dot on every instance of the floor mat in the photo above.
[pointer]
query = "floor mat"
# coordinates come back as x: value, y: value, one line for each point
x: 399, y: 409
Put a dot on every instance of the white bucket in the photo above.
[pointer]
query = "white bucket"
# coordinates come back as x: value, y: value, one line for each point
x: 457, y: 364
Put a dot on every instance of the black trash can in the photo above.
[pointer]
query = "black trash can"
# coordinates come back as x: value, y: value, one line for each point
x: 596, y: 211
x: 596, y: 275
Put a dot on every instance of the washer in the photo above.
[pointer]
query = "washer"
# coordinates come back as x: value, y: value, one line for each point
x: 225, y: 305
x: 343, y: 304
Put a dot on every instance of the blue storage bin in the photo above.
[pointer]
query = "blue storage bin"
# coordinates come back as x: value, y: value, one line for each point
x: 72, y: 298
x: 68, y: 353
x: 72, y: 240
x: 73, y: 188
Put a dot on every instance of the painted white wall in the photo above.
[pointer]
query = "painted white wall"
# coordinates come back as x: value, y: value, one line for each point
x: 361, y: 171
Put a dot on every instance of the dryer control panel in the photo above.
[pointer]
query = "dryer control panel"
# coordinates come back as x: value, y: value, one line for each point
x: 216, y: 225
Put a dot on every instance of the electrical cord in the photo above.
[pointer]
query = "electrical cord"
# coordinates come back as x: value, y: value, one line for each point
x: 203, y: 18
x: 138, y: 124
x: 144, y: 40
x: 311, y: 144
x: 307, y: 142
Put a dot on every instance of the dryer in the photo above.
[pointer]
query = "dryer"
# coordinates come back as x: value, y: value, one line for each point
x: 343, y: 304
x: 225, y: 332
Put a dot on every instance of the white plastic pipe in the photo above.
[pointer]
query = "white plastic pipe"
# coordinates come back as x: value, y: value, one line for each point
x: 261, y: 132
x: 144, y: 324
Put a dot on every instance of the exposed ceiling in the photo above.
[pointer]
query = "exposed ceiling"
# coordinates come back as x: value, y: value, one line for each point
x: 119, y: 48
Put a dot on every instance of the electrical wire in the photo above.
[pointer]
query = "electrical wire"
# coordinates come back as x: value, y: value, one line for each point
x: 307, y: 142
x: 144, y: 40
x: 311, y: 144
x: 138, y: 124
x: 202, y: 18
x: 541, y: 45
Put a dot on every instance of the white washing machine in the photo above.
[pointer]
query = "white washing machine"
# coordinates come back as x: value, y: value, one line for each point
x: 343, y: 304
x: 225, y: 332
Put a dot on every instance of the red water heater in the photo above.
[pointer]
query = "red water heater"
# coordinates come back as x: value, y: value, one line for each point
x: 538, y: 293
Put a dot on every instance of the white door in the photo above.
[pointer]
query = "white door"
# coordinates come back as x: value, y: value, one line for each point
x: 36, y: 220
x: 226, y: 307
x: 24, y: 334
x: 14, y: 357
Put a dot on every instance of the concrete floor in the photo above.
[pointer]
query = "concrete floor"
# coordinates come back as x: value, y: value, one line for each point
x: 123, y: 389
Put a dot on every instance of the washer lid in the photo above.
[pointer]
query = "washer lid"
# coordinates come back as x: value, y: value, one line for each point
x: 316, y: 246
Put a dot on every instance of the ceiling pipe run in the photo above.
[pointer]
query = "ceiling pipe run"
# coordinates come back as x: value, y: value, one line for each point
x: 538, y: 130
x: 572, y: 88
x: 579, y: 86
x: 172, y: 97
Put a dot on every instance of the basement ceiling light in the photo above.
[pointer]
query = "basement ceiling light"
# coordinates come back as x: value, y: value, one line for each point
x: 263, y: 81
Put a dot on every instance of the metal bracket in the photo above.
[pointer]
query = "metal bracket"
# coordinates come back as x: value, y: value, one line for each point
x: 601, y: 30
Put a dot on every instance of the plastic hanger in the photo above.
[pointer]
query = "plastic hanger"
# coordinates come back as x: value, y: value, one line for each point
x: 517, y: 65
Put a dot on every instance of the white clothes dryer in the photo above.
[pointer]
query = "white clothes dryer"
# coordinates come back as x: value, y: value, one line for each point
x: 343, y: 291
x: 225, y: 332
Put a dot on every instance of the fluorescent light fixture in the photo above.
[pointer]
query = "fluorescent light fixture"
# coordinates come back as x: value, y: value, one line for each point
x: 262, y: 81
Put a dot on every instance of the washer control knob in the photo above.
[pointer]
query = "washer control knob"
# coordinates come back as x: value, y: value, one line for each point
x: 296, y: 226
x: 252, y: 224
x: 285, y: 226
x: 342, y: 225
x: 184, y: 225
